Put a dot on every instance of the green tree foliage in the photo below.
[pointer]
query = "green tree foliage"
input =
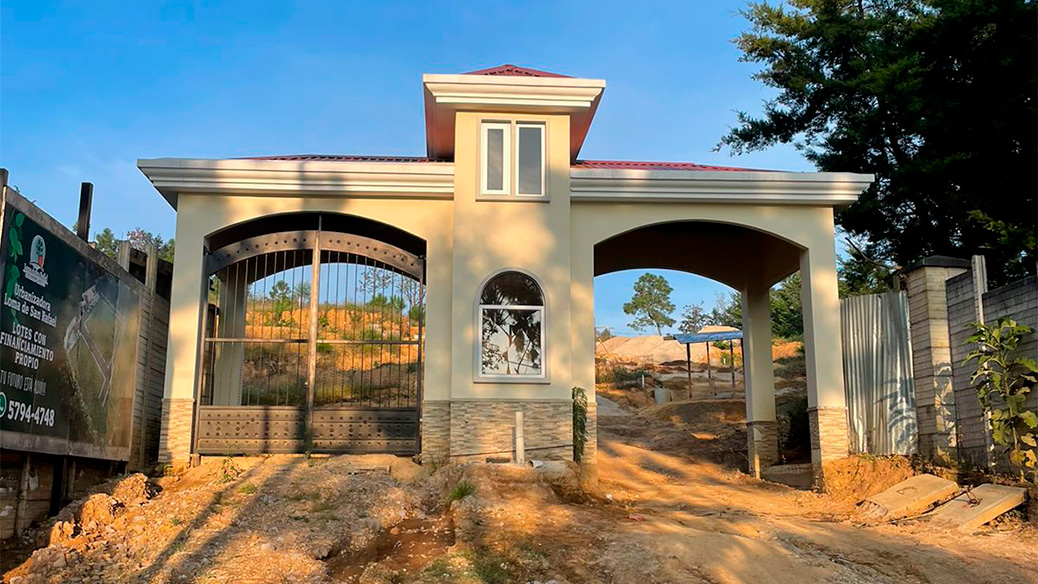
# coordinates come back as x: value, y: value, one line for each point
x: 387, y: 305
x: 1003, y: 380
x: 107, y: 243
x: 281, y: 294
x: 693, y: 318
x: 140, y: 238
x: 787, y: 313
x: 936, y: 98
x: 860, y: 274
x: 651, y: 305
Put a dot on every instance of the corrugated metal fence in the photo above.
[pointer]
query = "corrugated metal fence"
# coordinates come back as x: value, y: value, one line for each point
x: 877, y: 369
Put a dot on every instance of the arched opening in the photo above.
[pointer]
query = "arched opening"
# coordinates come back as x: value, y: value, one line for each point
x: 727, y: 385
x: 313, y: 337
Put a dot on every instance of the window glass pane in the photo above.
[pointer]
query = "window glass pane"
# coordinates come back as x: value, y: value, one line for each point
x: 495, y: 159
x: 511, y: 342
x: 512, y: 289
x: 530, y: 163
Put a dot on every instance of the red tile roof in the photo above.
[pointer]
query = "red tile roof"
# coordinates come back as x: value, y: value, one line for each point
x: 639, y: 165
x: 514, y: 71
x: 600, y: 164
x: 344, y: 158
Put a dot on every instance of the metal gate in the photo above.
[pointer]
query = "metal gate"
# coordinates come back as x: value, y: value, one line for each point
x: 313, y: 343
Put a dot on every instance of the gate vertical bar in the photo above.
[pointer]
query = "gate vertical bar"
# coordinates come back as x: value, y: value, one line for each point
x: 311, y: 374
x: 420, y: 371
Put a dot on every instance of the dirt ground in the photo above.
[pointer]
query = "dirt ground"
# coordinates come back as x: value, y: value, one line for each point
x: 669, y: 506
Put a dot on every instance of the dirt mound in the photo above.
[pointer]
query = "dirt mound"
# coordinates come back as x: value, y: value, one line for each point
x: 701, y: 413
x: 851, y: 480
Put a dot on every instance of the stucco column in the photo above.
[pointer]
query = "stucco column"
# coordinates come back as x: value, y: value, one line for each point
x: 182, y: 352
x: 582, y: 338
x: 230, y: 357
x: 762, y: 435
x: 823, y: 350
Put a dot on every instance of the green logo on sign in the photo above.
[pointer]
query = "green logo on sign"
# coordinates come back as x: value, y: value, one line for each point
x: 3, y: 404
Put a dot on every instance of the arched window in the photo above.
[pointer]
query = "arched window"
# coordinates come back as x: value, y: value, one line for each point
x: 511, y: 324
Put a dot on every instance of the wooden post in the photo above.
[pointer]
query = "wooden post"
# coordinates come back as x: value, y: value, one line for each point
x: 71, y: 480
x: 151, y: 268
x: 731, y: 355
x: 688, y: 364
x: 520, y: 439
x: 21, y: 501
x: 122, y: 254
x: 709, y: 369
x: 86, y: 198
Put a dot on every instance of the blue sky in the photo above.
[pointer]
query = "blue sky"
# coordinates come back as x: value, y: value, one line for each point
x: 86, y: 88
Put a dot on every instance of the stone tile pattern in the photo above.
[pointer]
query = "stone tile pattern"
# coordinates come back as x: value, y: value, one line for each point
x: 485, y: 428
x: 764, y: 450
x: 829, y: 439
x: 175, y: 435
x: 932, y: 360
x: 1017, y: 300
x: 436, y: 431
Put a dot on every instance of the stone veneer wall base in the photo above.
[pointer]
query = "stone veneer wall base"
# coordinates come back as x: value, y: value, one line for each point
x: 175, y: 434
x: 481, y: 429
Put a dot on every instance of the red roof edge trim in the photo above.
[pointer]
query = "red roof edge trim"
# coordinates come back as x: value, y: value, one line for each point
x: 344, y: 158
x: 514, y: 71
x: 646, y: 165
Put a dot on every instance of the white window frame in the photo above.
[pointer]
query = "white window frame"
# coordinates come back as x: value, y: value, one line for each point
x: 506, y: 158
x: 479, y: 376
x: 510, y: 161
x: 544, y: 159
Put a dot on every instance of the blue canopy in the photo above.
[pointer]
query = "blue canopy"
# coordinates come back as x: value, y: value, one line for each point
x: 686, y: 339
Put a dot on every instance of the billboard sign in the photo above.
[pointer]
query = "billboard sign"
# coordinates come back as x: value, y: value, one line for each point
x: 68, y: 341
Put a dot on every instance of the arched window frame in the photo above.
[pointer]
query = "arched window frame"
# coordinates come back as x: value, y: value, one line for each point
x: 478, y: 375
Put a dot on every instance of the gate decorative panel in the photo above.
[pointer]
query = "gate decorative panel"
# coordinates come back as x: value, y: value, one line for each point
x: 314, y: 342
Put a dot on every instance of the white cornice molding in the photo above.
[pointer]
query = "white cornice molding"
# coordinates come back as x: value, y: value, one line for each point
x: 663, y: 186
x: 509, y: 91
x: 446, y: 95
x: 425, y: 180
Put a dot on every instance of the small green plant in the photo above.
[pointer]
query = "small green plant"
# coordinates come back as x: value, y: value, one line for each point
x: 175, y: 521
x: 579, y: 422
x: 1003, y: 381
x: 460, y: 491
x: 229, y: 471
x: 247, y: 489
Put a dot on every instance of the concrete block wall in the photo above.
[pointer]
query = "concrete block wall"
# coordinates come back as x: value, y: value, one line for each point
x: 931, y: 356
x: 1019, y: 301
x: 971, y: 430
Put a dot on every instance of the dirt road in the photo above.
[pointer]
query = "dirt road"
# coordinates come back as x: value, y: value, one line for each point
x: 667, y: 508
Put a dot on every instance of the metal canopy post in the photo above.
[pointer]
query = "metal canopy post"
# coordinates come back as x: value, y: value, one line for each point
x: 731, y: 356
x: 709, y: 369
x: 688, y: 365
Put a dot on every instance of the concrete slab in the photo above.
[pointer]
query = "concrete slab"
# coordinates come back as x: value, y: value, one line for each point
x: 909, y: 497
x: 798, y: 476
x: 970, y: 510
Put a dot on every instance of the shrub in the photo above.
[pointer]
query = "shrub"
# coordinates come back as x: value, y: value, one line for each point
x: 1003, y: 382
x: 460, y: 491
x: 579, y: 422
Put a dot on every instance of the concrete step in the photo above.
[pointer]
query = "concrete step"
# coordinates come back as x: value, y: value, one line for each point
x: 911, y: 496
x: 977, y: 506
